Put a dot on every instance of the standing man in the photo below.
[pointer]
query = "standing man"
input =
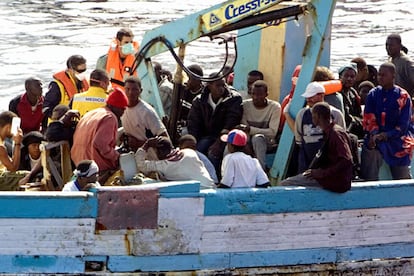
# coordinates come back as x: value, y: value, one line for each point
x: 95, y: 96
x: 120, y: 57
x: 214, y: 112
x: 96, y: 133
x: 66, y: 84
x: 261, y: 117
x: 404, y: 66
x: 332, y: 170
x: 387, y: 117
x: 140, y: 121
x: 29, y: 105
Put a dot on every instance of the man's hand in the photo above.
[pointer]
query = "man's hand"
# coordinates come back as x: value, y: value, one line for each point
x: 70, y: 116
x: 18, y: 137
x: 216, y: 149
x: 151, y: 143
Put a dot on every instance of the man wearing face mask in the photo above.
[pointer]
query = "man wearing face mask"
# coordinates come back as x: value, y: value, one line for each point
x: 120, y: 57
x: 95, y: 96
x: 66, y: 84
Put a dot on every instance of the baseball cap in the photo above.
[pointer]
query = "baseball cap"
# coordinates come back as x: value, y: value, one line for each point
x: 313, y: 89
x: 117, y: 98
x: 235, y: 137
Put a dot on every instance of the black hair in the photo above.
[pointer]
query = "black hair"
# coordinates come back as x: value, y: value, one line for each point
x: 388, y: 65
x: 260, y: 84
x: 75, y: 61
x: 196, y: 69
x: 133, y: 79
x: 396, y: 37
x: 256, y: 73
x: 164, y: 147
x: 98, y: 75
x: 323, y: 110
x: 185, y: 138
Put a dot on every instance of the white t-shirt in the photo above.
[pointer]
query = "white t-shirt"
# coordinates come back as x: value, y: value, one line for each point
x: 140, y: 118
x: 189, y: 167
x: 241, y: 170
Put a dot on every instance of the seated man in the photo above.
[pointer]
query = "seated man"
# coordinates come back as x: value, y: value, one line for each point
x: 86, y: 174
x: 387, y: 118
x: 214, y: 112
x: 140, y: 121
x: 332, y: 167
x: 173, y: 164
x: 239, y: 169
x: 30, y: 157
x: 188, y: 141
x: 96, y: 133
x: 261, y: 117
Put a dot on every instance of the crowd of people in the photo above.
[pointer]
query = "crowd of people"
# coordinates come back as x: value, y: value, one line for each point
x: 224, y: 134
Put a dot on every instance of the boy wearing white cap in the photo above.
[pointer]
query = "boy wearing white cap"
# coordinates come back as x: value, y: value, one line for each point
x: 307, y: 135
x: 238, y: 169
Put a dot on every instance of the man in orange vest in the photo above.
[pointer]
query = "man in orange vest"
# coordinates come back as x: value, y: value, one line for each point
x: 119, y: 60
x: 66, y: 83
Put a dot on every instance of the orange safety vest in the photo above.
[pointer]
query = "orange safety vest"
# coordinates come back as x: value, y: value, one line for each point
x: 116, y: 69
x: 67, y: 86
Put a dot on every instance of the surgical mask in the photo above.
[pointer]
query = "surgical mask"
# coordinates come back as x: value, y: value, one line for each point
x: 80, y: 76
x: 127, y: 49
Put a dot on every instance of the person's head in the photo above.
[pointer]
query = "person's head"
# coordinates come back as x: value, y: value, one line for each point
x: 217, y: 88
x: 348, y: 74
x: 323, y: 73
x: 194, y: 84
x: 32, y: 141
x: 253, y: 76
x: 362, y: 69
x: 157, y: 69
x: 314, y: 93
x: 6, y: 118
x: 163, y: 148
x: 259, y: 94
x: 386, y: 75
x: 76, y: 65
x: 86, y: 172
x: 34, y: 90
x: 124, y: 39
x: 236, y: 140
x: 117, y: 101
x: 363, y: 90
x: 393, y: 45
x: 321, y: 114
x: 133, y: 90
x: 187, y: 141
x: 59, y: 111
x: 99, y: 78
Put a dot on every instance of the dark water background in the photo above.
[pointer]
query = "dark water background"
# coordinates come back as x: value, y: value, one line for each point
x: 38, y: 36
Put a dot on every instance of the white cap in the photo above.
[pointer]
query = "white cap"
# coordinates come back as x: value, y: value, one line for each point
x: 313, y: 89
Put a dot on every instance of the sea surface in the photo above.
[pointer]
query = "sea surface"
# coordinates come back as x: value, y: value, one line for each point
x: 37, y: 36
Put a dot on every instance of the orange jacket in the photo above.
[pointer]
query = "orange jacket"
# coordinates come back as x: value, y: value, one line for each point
x: 68, y: 87
x: 117, y: 69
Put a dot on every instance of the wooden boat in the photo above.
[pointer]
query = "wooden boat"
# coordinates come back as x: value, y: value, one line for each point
x: 175, y: 227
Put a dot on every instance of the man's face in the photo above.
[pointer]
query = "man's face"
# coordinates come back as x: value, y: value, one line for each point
x: 385, y: 77
x: 125, y: 40
x: 132, y: 91
x: 348, y: 78
x: 259, y: 95
x: 393, y: 47
x: 217, y: 88
x: 250, y: 81
x: 34, y: 91
x: 311, y: 101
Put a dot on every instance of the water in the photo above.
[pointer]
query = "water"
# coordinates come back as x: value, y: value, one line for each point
x: 38, y: 36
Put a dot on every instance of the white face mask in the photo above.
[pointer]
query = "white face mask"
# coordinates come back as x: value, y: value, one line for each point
x: 127, y: 49
x: 81, y: 76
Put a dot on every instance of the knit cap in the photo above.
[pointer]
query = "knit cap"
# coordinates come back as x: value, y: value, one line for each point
x: 117, y: 98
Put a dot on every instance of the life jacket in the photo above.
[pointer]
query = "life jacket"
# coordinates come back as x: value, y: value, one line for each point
x: 67, y: 86
x: 93, y: 98
x: 118, y: 71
